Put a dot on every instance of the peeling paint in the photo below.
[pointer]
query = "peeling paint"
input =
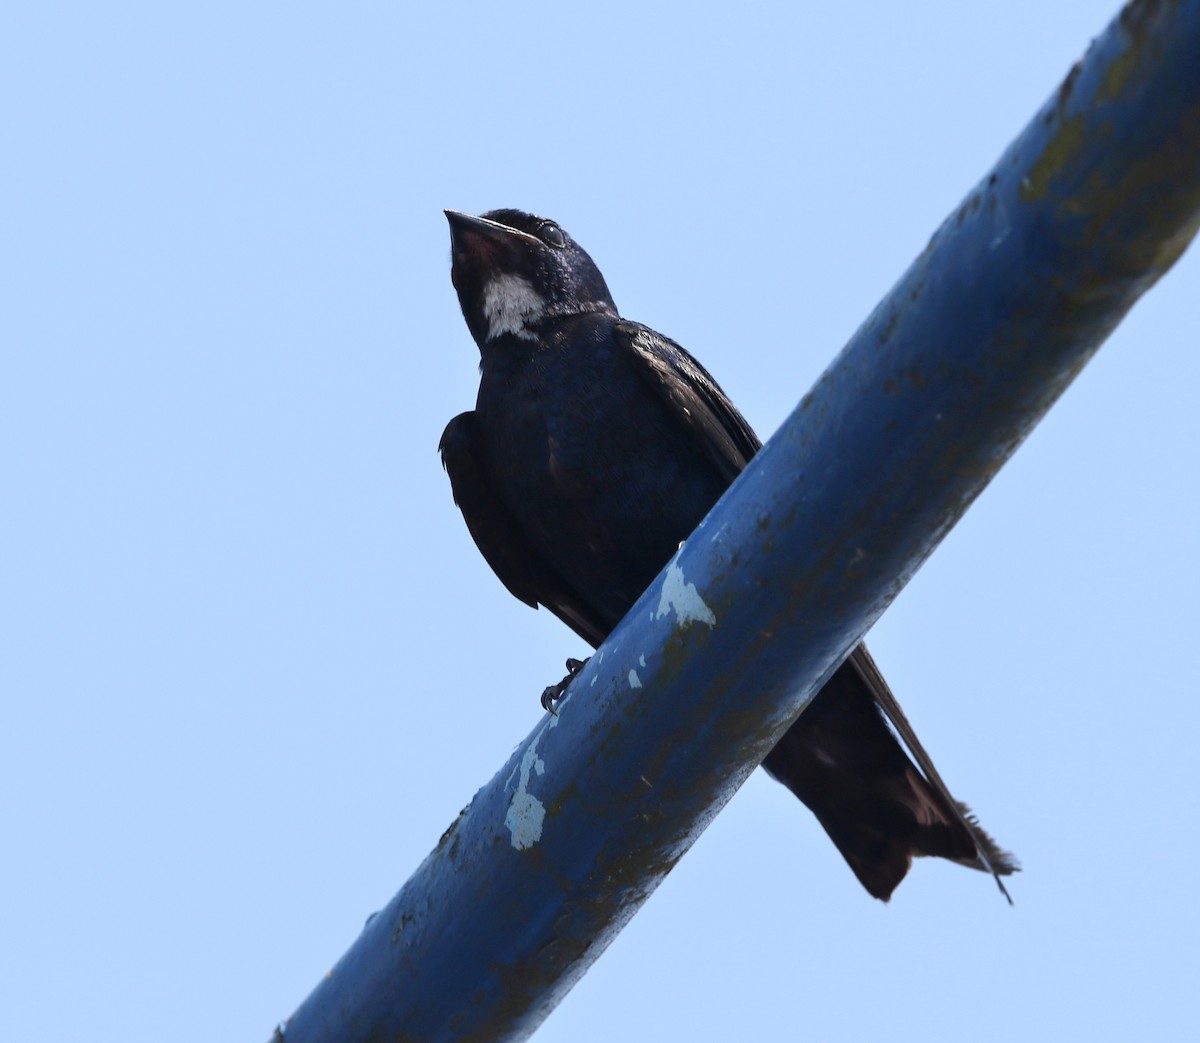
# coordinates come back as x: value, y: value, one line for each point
x: 683, y: 598
x: 525, y: 812
x: 634, y: 680
x: 1001, y: 222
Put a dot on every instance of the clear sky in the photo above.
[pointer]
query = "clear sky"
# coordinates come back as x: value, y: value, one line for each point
x: 251, y: 664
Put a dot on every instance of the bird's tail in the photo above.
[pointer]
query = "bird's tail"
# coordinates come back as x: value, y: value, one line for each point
x: 880, y: 809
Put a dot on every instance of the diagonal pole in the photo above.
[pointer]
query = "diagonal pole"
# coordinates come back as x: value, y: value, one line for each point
x: 1093, y: 202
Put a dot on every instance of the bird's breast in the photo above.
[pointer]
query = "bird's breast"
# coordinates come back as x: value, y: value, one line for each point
x: 596, y: 468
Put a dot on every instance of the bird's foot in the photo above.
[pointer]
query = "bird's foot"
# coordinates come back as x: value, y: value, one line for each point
x: 556, y: 691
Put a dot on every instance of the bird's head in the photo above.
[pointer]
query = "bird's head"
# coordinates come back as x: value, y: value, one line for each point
x: 515, y: 272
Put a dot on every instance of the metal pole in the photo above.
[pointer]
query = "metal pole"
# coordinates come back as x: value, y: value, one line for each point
x: 1088, y: 207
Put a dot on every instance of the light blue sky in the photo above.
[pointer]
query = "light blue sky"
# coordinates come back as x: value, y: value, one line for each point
x: 251, y: 664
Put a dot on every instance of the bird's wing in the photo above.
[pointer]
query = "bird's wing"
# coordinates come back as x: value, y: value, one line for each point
x: 695, y: 398
x: 947, y: 827
x: 500, y: 540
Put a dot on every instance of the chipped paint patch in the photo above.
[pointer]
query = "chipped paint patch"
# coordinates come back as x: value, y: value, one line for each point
x: 525, y: 812
x: 680, y: 596
x: 1001, y: 223
x: 634, y: 680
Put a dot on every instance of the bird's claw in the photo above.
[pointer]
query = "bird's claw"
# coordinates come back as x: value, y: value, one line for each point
x: 556, y: 691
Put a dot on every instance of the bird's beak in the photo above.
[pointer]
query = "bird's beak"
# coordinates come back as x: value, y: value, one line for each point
x: 465, y: 230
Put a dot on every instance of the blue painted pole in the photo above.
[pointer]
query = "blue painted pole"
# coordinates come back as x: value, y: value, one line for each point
x: 1084, y: 212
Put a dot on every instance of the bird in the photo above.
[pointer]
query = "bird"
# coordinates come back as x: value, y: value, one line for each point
x: 596, y: 446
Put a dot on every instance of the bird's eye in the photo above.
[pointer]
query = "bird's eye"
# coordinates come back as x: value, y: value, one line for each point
x: 552, y: 234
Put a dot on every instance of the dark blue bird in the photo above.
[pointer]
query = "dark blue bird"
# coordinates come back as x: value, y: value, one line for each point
x: 595, y: 447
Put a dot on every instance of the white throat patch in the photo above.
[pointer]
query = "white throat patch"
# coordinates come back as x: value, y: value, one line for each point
x: 510, y: 303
